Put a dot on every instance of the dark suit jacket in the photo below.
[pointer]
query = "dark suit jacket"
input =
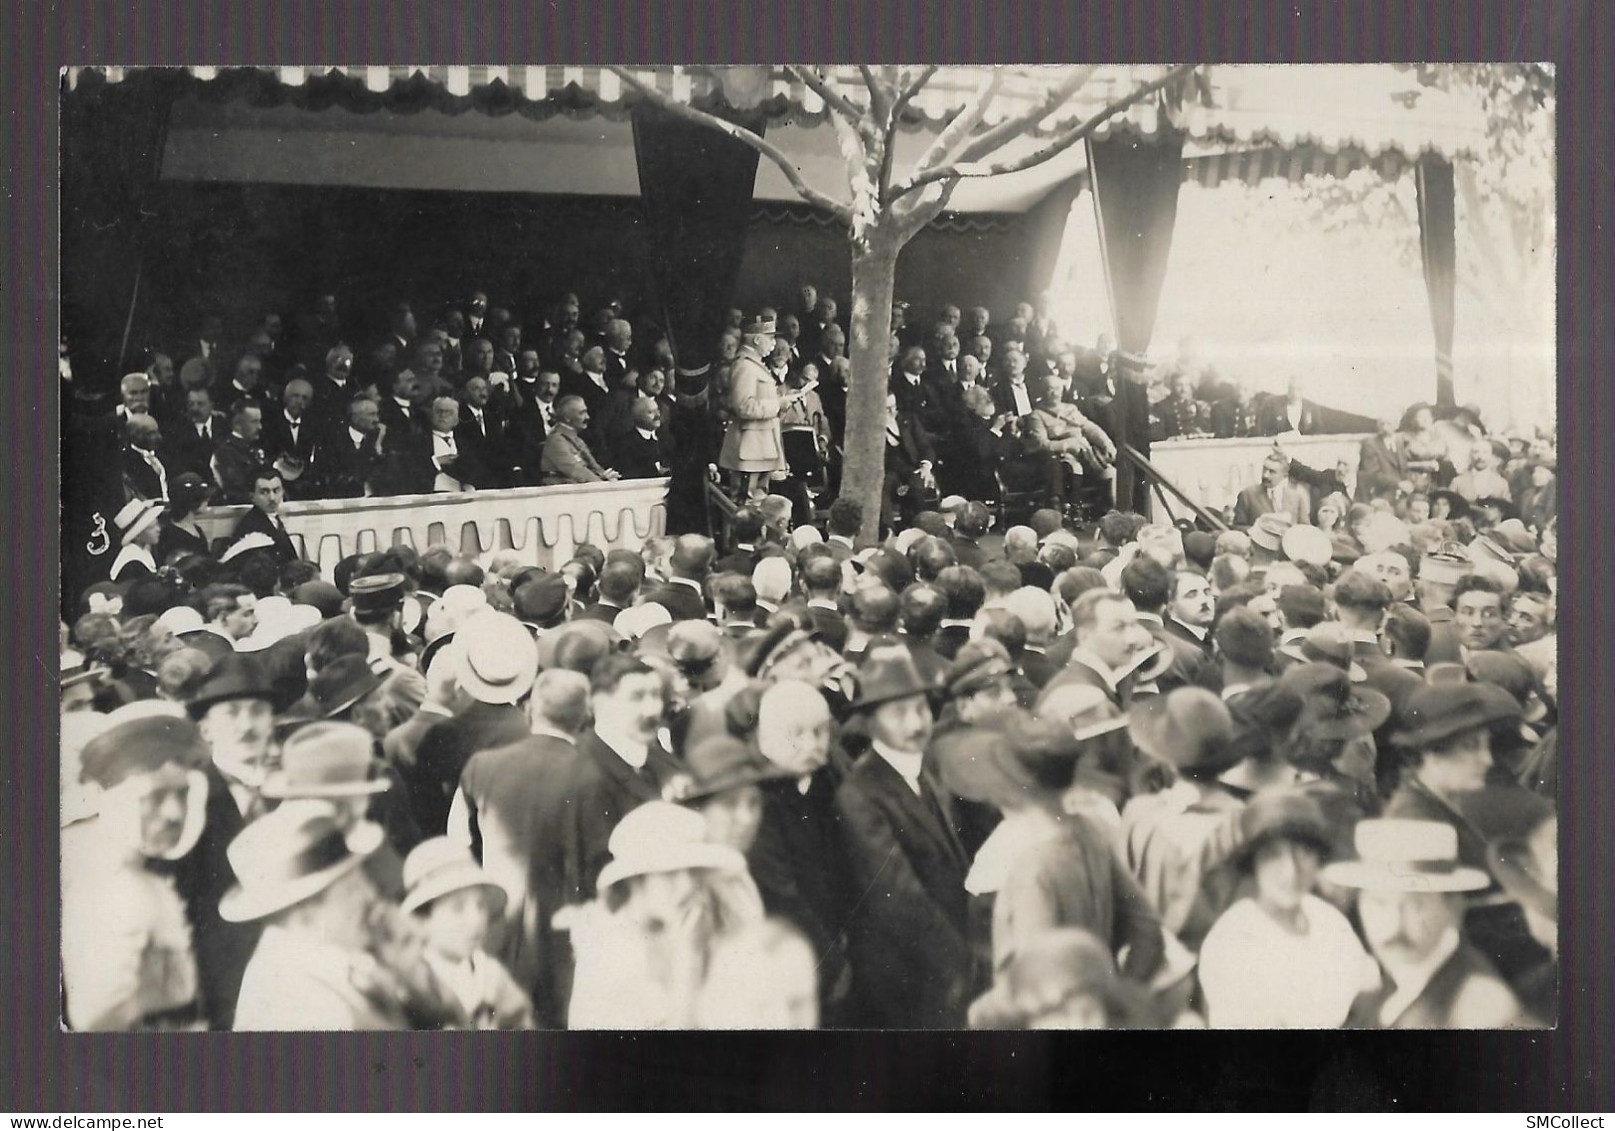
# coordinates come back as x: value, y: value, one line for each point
x: 186, y: 451
x: 277, y: 441
x: 579, y: 384
x: 139, y: 476
x: 524, y: 432
x: 913, y: 448
x: 800, y: 868
x: 447, y: 747
x: 1448, y: 1001
x: 1004, y: 396
x: 345, y: 470
x: 600, y: 611
x: 201, y: 877
x: 256, y: 521
x: 635, y: 457
x: 831, y: 624
x: 911, y: 957
x: 683, y: 602
x: 481, y: 462
x: 235, y: 460
x: 1378, y: 467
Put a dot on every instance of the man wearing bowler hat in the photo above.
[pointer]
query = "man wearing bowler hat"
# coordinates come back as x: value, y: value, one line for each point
x: 232, y: 710
x: 1448, y: 732
x: 1410, y: 886
x: 911, y: 957
x: 302, y: 878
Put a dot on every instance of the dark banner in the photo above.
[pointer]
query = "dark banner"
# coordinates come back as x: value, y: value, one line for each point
x: 1135, y: 186
x: 1438, y: 250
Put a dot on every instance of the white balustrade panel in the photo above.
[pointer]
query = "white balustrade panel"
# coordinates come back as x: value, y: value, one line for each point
x: 545, y: 525
x: 1213, y: 472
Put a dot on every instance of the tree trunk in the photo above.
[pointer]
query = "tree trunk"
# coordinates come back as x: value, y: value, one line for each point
x: 863, y: 472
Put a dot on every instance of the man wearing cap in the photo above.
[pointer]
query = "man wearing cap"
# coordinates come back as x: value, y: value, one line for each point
x: 378, y: 608
x: 302, y: 880
x: 911, y: 958
x: 1410, y: 885
x: 752, y: 443
x: 1276, y: 494
x: 268, y: 492
x: 138, y: 532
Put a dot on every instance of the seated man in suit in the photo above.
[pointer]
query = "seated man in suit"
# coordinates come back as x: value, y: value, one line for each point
x: 239, y: 453
x: 482, y: 431
x: 192, y: 440
x: 290, y: 439
x: 566, y: 458
x: 445, y: 466
x: 354, y: 461
x: 144, y: 476
x: 1275, y: 494
x: 1015, y: 393
x: 910, y: 479
x: 641, y: 450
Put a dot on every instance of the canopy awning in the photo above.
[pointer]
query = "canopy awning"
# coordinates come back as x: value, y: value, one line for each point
x: 1374, y: 108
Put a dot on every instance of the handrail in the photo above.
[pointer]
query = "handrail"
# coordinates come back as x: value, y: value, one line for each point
x: 1160, y: 481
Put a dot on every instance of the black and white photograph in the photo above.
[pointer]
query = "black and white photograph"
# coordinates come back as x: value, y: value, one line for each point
x: 790, y: 547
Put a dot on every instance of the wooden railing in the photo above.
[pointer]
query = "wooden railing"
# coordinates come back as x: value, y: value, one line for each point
x: 542, y: 524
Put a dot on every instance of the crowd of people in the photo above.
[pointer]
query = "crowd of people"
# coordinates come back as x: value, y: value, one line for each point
x: 1300, y: 772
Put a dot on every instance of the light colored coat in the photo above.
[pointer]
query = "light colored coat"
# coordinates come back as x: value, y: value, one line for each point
x: 752, y: 442
x: 567, y: 459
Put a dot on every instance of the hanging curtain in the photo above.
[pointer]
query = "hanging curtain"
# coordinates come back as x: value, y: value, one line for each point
x: 1438, y: 248
x: 1135, y: 186
x: 696, y: 184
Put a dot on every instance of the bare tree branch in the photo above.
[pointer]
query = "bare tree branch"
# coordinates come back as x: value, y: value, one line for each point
x: 963, y: 122
x: 880, y: 95
x: 833, y: 98
x: 839, y: 209
x: 1053, y: 149
x: 1012, y: 128
x: 917, y: 211
x: 906, y: 95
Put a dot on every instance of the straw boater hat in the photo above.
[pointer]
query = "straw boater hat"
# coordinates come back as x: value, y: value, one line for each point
x: 660, y: 836
x: 291, y: 855
x: 439, y: 867
x: 1307, y: 544
x: 1410, y: 856
x: 329, y: 760
x: 135, y: 516
x: 498, y: 658
x: 1448, y: 564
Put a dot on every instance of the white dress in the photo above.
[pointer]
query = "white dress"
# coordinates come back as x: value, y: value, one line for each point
x: 1257, y: 974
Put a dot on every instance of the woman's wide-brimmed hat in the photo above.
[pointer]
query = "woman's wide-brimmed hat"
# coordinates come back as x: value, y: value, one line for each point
x: 1333, y: 705
x: 135, y: 516
x: 720, y: 763
x: 290, y: 855
x: 1439, y: 712
x: 1282, y: 814
x: 439, y: 867
x: 1189, y: 728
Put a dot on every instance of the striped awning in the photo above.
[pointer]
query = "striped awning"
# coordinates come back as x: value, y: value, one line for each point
x: 1372, y: 110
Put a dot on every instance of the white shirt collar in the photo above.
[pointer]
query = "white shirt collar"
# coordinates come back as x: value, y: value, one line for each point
x: 1194, y: 630
x: 696, y: 585
x: 648, y: 433
x: 551, y: 732
x: 907, y: 765
x: 355, y: 435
